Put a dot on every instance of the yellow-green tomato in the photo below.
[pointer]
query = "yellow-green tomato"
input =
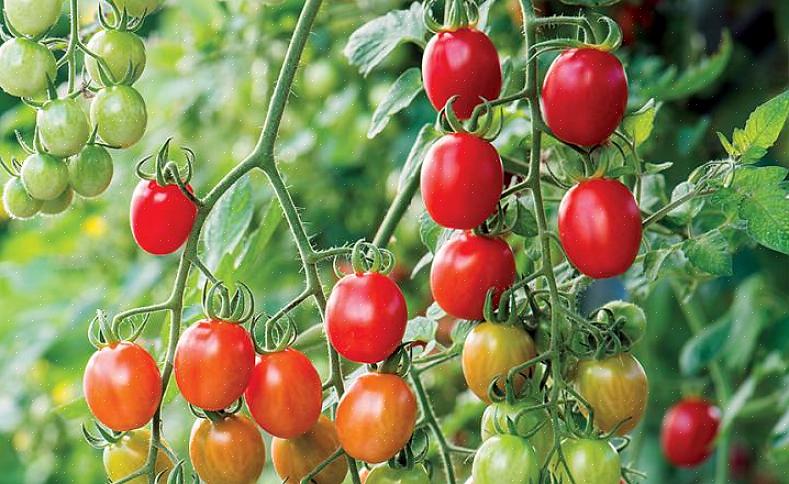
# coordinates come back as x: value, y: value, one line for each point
x: 44, y: 176
x: 525, y: 421
x: 130, y: 453
x: 17, y: 202
x: 589, y: 461
x: 25, y: 67
x: 137, y: 8
x: 383, y: 474
x: 505, y: 459
x: 90, y: 172
x: 635, y: 321
x: 63, y: 127
x: 59, y: 204
x: 120, y: 114
x: 123, y: 54
x: 32, y: 17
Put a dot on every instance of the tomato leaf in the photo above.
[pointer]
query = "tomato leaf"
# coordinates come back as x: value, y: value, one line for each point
x: 525, y: 223
x: 76, y: 409
x: 261, y: 237
x: 749, y: 312
x: 228, y: 222
x: 710, y: 253
x: 687, y: 211
x: 654, y: 168
x: 399, y: 97
x: 653, y: 261
x: 773, y: 364
x: 432, y: 234
x: 421, y: 329
x: 761, y: 130
x: 704, y: 347
x: 640, y: 123
x: 761, y: 197
x: 413, y: 163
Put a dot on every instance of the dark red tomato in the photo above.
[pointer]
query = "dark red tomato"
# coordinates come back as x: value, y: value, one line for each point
x: 584, y: 96
x: 365, y: 317
x: 213, y: 363
x: 600, y: 227
x: 465, y: 268
x: 462, y: 177
x: 688, y: 430
x: 161, y: 217
x: 122, y: 386
x: 461, y: 63
x: 284, y: 394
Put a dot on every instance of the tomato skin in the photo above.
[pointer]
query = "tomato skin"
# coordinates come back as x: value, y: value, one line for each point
x: 63, y: 127
x: 284, y: 394
x: 366, y: 315
x: 461, y: 181
x: 120, y: 114
x: 688, y: 432
x: 590, y: 462
x: 130, y: 453
x: 44, y: 176
x: 17, y: 202
x: 635, y: 320
x: 600, y: 227
x: 90, y: 172
x: 295, y: 458
x: 616, y: 388
x: 59, y: 204
x: 161, y: 217
x: 26, y: 67
x: 32, y: 17
x: 465, y: 268
x: 461, y: 63
x: 230, y: 451
x: 505, y: 455
x: 376, y: 417
x: 120, y: 50
x: 122, y: 386
x: 584, y: 96
x: 498, y: 413
x: 138, y: 8
x: 383, y: 474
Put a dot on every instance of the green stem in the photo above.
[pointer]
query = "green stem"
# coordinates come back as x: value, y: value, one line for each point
x: 429, y: 416
x: 397, y: 210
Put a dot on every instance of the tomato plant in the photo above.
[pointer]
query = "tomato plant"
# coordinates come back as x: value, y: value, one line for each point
x: 123, y: 54
x: 129, y: 453
x: 296, y: 457
x: 32, y: 17
x: 631, y: 317
x: 120, y: 115
x: 384, y: 474
x: 588, y: 462
x: 63, y: 127
x: 688, y: 432
x: 27, y: 67
x: 529, y: 422
x: 229, y: 450
x: 505, y: 455
x: 161, y: 217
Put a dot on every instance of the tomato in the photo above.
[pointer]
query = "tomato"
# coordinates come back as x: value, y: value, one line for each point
x: 496, y: 415
x: 26, y: 67
x: 505, y: 455
x: 120, y: 114
x: 600, y: 227
x: 90, y: 172
x: 130, y: 453
x: 584, y: 96
x: 161, y: 217
x: 63, y: 127
x: 462, y: 177
x: 376, y: 417
x: 617, y: 390
x: 213, y: 363
x: 295, y: 458
x: 45, y: 177
x: 122, y: 386
x: 490, y: 351
x: 461, y: 63
x: 17, y: 202
x: 590, y: 462
x: 284, y: 394
x: 688, y: 432
x: 138, y: 8
x: 635, y: 320
x: 366, y: 317
x: 383, y: 474
x: 465, y: 268
x: 122, y: 52
x: 228, y: 451
x: 59, y: 204
x: 32, y: 17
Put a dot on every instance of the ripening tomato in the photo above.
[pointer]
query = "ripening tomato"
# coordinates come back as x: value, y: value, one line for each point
x: 120, y: 115
x: 27, y: 67
x: 465, y: 268
x: 130, y: 453
x: 284, y: 394
x: 600, y: 227
x: 590, y: 462
x: 366, y: 317
x: 505, y: 455
x: 584, y: 96
x: 123, y: 53
x: 161, y: 217
x: 688, y: 432
x: 462, y: 178
x: 383, y: 474
x: 462, y: 63
x: 62, y: 127
x: 17, y: 202
x: 295, y: 458
x: 617, y: 390
x: 376, y: 417
x: 525, y: 420
x: 228, y: 451
x: 122, y: 386
x: 32, y: 17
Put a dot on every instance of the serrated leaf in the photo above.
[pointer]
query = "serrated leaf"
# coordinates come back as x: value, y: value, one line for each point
x: 640, y: 123
x: 704, y: 347
x: 726, y: 144
x: 413, y: 163
x: 421, y: 329
x: 710, y: 253
x: 435, y: 312
x: 761, y: 130
x: 653, y: 261
x: 764, y: 205
x: 433, y: 235
x: 399, y: 97
x: 653, y: 191
x: 684, y: 213
x: 228, y: 222
x: 654, y: 168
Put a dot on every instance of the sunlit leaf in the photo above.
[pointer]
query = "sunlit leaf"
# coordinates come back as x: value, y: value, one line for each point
x: 399, y: 96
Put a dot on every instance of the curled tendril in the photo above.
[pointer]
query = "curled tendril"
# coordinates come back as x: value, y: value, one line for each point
x: 279, y: 333
x: 105, y: 438
x: 219, y: 305
x: 136, y: 329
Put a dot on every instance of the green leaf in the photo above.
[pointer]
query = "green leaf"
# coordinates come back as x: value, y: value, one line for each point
x: 653, y: 261
x: 761, y: 130
x: 525, y: 224
x: 726, y: 144
x: 771, y: 365
x: 654, y: 168
x: 749, y: 317
x: 653, y: 192
x: 764, y: 205
x: 421, y: 329
x: 704, y: 347
x: 399, y: 97
x: 413, y: 163
x: 258, y: 241
x: 684, y: 213
x: 432, y: 234
x: 640, y: 123
x: 76, y: 409
x: 228, y: 222
x: 710, y: 253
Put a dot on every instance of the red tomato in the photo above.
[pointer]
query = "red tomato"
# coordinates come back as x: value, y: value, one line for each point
x: 122, y: 386
x: 688, y: 430
x: 461, y: 63
x: 465, y: 268
x: 284, y: 394
x: 365, y: 317
x: 600, y: 227
x: 161, y: 217
x: 584, y: 96
x: 229, y: 451
x: 213, y: 363
x: 462, y: 177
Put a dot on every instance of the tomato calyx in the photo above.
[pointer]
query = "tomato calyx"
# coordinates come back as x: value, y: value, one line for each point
x: 120, y: 19
x: 217, y: 415
x: 103, y: 333
x: 414, y: 453
x: 218, y: 305
x: 399, y: 362
x: 106, y: 437
x: 168, y: 173
x: 487, y: 128
x: 458, y: 14
x: 367, y: 258
x: 611, y: 42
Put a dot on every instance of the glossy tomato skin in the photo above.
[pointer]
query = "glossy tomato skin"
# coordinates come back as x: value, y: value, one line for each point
x: 63, y: 127
x: 284, y: 393
x: 120, y: 114
x: 494, y: 422
x: 617, y: 390
x: 462, y: 178
x: 26, y: 67
x: 505, y: 458
x: 123, y: 52
x: 130, y: 453
x: 213, y: 363
x: 688, y: 431
x: 122, y: 386
x: 590, y: 462
x: 295, y: 458
x: 465, y: 268
x: 383, y: 474
x: 584, y: 96
x: 230, y: 451
x: 366, y: 315
x: 635, y: 321
x: 376, y: 417
x: 600, y: 227
x: 462, y: 63
x: 32, y: 17
x: 161, y: 217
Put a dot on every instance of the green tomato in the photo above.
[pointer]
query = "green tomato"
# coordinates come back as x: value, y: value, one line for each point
x: 25, y: 67
x: 60, y: 204
x: 120, y: 114
x: 494, y: 422
x: 590, y: 462
x: 635, y: 320
x: 505, y: 458
x: 137, y: 8
x: 63, y: 127
x: 123, y: 53
x: 32, y: 17
x: 90, y: 172
x: 17, y: 202
x: 44, y: 176
x: 383, y: 474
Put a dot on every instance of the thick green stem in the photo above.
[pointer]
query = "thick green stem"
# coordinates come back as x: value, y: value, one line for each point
x: 429, y: 417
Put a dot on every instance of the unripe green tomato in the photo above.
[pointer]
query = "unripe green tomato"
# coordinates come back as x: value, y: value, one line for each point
x: 63, y: 127
x: 130, y: 453
x: 383, y: 474
x: 635, y: 320
x: 58, y: 205
x: 24, y: 67
x: 590, y: 462
x: 496, y: 415
x: 32, y: 17
x: 120, y: 114
x: 505, y: 458
x: 44, y: 176
x: 122, y: 52
x: 137, y: 8
x: 90, y: 172
x: 17, y: 202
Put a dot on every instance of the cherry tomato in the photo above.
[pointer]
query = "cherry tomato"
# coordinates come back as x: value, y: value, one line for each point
x: 90, y: 172
x: 32, y: 17
x: 590, y: 462
x: 45, y: 177
x: 27, y: 67
x: 138, y: 8
x: 600, y: 227
x: 366, y: 317
x: 584, y: 96
x: 123, y: 53
x: 17, y: 202
x: 161, y: 217
x: 461, y: 63
x: 617, y: 390
x: 635, y: 321
x: 122, y: 386
x: 120, y: 114
x: 465, y: 268
x: 228, y: 451
x: 295, y: 458
x: 494, y: 422
x: 462, y: 178
x: 59, y: 204
x: 383, y: 474
x: 505, y: 455
x: 130, y: 453
x: 376, y: 417
x: 688, y: 432
x: 63, y: 127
